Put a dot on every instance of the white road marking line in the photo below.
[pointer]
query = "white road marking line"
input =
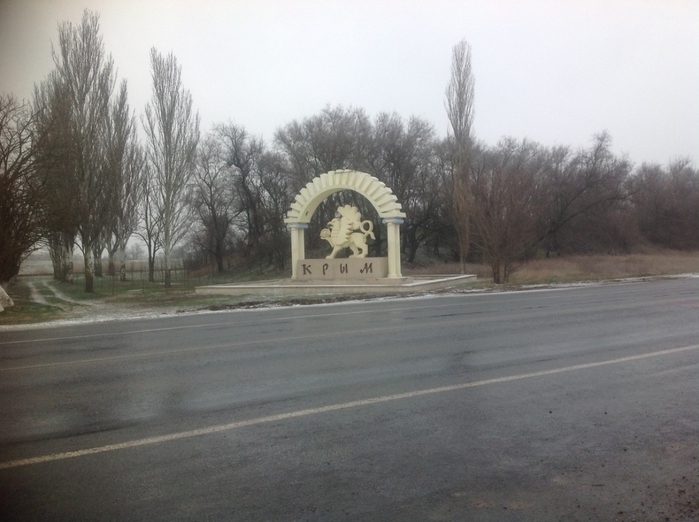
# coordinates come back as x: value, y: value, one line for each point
x: 332, y: 407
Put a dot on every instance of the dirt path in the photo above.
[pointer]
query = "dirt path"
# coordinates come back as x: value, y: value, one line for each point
x: 35, y: 295
x: 63, y: 297
x: 66, y: 302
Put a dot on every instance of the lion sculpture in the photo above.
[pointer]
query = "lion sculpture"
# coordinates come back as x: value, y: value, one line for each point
x: 348, y: 230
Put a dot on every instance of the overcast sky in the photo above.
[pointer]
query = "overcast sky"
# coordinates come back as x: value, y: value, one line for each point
x: 553, y: 71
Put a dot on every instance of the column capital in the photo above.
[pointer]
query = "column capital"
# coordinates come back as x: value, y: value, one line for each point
x: 394, y: 221
x: 302, y: 226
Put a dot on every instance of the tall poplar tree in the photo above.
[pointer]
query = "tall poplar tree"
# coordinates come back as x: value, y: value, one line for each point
x: 172, y: 134
x: 85, y: 77
x: 460, y: 110
x: 125, y: 161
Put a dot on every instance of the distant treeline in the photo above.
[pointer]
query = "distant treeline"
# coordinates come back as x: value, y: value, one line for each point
x: 74, y: 172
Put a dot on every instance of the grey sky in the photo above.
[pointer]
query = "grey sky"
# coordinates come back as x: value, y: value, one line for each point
x: 554, y: 71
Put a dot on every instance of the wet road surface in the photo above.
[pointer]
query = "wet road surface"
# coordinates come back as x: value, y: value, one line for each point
x: 571, y: 404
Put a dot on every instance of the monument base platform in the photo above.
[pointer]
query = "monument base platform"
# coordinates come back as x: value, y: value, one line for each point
x: 381, y: 286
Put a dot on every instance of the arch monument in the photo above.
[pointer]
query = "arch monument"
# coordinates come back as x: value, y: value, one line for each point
x: 316, y: 191
x: 357, y: 274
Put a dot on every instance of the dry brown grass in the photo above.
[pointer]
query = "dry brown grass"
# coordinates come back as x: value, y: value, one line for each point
x: 580, y: 268
x: 434, y: 269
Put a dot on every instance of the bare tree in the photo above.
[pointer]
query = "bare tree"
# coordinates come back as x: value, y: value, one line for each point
x: 459, y: 104
x: 125, y: 163
x: 666, y: 203
x: 55, y: 158
x: 506, y: 195
x: 276, y: 197
x: 172, y: 132
x: 261, y: 191
x: 684, y: 187
x: 242, y: 153
x: 443, y: 234
x: 21, y: 212
x: 337, y: 138
x: 214, y: 202
x: 150, y: 226
x: 579, y: 185
x: 402, y: 157
x: 86, y: 74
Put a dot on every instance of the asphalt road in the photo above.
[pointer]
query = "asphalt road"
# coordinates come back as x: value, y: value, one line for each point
x: 572, y: 404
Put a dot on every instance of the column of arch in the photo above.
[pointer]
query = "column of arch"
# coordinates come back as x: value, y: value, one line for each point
x: 316, y: 191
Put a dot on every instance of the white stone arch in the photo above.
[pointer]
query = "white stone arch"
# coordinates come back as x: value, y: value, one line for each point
x: 317, y: 190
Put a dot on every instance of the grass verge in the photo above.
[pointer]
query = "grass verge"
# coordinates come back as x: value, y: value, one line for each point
x: 70, y: 299
x: 26, y: 311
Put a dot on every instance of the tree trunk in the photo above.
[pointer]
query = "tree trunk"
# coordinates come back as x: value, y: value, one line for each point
x: 89, y: 270
x: 111, y: 266
x: 122, y: 261
x: 57, y: 260
x: 166, y: 252
x: 151, y: 262
x: 68, y: 274
x: 464, y: 243
x: 495, y: 267
x: 98, y: 262
x: 61, y: 251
